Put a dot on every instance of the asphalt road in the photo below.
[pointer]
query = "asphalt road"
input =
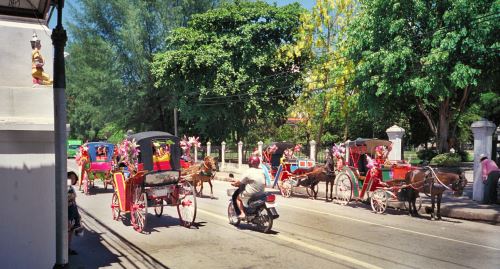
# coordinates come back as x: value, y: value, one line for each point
x: 308, y: 234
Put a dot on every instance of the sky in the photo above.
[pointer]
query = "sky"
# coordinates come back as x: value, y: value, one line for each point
x: 305, y: 3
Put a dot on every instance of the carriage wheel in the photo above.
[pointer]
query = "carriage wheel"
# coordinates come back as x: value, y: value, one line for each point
x: 379, y: 199
x: 158, y: 207
x: 186, y: 204
x: 343, y: 189
x: 115, y: 206
x: 309, y: 192
x: 231, y: 215
x: 140, y: 212
x: 286, y: 189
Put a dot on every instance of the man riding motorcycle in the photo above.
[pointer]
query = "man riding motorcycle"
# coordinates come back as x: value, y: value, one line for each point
x: 254, y: 183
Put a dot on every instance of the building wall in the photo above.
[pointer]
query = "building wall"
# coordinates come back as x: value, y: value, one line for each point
x: 27, y: 203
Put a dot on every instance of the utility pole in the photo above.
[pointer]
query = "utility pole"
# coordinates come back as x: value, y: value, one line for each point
x: 59, y: 39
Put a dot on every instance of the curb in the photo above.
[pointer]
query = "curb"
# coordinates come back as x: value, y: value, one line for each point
x: 457, y: 209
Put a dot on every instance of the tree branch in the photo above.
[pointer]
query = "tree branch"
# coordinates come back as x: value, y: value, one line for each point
x: 426, y: 114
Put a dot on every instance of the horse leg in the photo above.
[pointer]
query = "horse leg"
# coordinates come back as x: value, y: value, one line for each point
x: 315, y: 194
x: 433, y: 197
x: 211, y: 189
x: 410, y: 196
x: 326, y: 191
x: 438, y: 214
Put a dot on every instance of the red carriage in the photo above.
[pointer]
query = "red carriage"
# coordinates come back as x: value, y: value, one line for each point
x: 96, y: 162
x: 285, y: 170
x: 151, y: 178
x: 368, y: 176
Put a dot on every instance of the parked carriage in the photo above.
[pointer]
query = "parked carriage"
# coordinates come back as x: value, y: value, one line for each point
x: 285, y: 173
x: 382, y: 185
x: 96, y: 162
x: 152, y: 180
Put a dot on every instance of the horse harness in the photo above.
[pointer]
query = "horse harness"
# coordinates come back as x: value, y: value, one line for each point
x: 430, y: 180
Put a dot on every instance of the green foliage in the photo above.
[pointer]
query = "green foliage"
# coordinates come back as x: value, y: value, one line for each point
x: 224, y: 72
x: 108, y: 71
x: 465, y: 156
x: 428, y: 57
x: 446, y: 159
x: 426, y: 154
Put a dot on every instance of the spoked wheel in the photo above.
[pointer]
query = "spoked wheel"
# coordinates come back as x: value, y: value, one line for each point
x: 158, y: 207
x: 115, y: 206
x: 379, y: 199
x: 186, y: 204
x: 231, y: 215
x: 264, y: 220
x: 286, y: 189
x: 310, y: 193
x: 140, y: 212
x: 343, y: 189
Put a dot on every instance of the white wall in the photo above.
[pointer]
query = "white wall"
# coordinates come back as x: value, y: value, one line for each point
x: 27, y: 173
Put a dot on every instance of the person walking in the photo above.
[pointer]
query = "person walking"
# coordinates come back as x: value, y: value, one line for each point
x: 490, y: 176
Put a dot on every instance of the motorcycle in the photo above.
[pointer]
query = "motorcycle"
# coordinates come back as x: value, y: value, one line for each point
x: 260, y: 211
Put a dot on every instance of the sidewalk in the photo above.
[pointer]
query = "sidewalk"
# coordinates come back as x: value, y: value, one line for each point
x: 452, y: 207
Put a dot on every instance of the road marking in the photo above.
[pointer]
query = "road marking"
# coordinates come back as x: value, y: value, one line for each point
x: 391, y: 227
x: 309, y: 246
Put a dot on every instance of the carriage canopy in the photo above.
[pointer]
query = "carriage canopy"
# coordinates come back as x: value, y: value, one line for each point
x: 159, y: 151
x: 367, y: 145
x: 100, y: 151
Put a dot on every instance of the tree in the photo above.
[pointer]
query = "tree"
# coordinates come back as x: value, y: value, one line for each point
x: 323, y: 35
x: 223, y: 71
x: 111, y: 47
x: 432, y: 56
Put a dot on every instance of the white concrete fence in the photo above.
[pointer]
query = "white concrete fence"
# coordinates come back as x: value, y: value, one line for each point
x: 395, y: 134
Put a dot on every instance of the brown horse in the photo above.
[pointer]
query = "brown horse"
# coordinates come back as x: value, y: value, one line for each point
x: 204, y: 172
x: 320, y: 173
x: 433, y: 182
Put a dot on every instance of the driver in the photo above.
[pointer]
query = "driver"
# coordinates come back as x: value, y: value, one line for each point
x: 254, y: 181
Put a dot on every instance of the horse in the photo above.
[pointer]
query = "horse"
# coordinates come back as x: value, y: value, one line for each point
x: 204, y: 172
x: 433, y: 182
x: 320, y: 173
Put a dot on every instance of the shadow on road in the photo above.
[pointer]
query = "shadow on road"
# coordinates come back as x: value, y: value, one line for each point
x: 101, y: 246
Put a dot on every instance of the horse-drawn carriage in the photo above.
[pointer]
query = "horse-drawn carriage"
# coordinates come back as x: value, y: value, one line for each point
x: 368, y: 176
x: 96, y: 162
x: 285, y: 170
x: 151, y: 177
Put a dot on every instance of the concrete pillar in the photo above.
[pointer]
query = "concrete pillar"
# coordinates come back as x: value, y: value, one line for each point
x: 209, y: 148
x: 240, y: 154
x: 483, y: 134
x: 195, y: 154
x: 395, y: 134
x: 223, y: 154
x: 259, y: 146
x: 312, y: 152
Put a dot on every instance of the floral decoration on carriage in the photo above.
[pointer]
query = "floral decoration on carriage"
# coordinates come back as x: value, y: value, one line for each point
x: 128, y: 154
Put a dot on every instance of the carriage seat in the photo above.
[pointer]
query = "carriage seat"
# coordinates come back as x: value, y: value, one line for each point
x: 161, y: 178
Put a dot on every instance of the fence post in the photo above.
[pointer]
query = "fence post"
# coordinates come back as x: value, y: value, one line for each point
x: 312, y: 152
x: 259, y: 145
x: 209, y: 147
x: 395, y: 134
x: 240, y: 154
x: 195, y: 154
x: 223, y: 153
x: 483, y: 133
x: 347, y: 152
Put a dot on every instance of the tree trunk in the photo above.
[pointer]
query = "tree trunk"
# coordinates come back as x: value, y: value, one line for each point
x: 444, y: 126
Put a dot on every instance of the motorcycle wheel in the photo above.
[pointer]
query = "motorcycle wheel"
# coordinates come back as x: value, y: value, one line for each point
x: 264, y: 220
x: 231, y: 215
